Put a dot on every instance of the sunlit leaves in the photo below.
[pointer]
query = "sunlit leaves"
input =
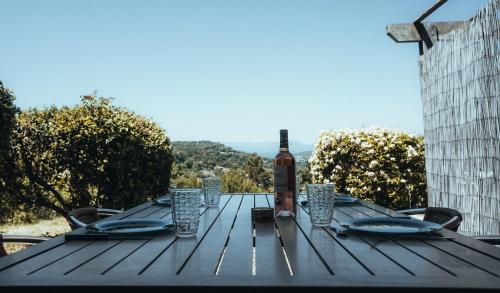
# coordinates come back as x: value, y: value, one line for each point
x: 93, y: 154
x: 380, y: 165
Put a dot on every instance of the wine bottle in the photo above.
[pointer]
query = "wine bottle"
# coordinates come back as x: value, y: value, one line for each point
x: 285, y: 201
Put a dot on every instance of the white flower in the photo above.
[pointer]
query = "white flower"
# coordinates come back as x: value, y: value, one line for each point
x: 378, y: 189
x: 411, y: 152
x: 373, y: 164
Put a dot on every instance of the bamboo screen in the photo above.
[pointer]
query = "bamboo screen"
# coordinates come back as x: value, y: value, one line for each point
x: 460, y: 84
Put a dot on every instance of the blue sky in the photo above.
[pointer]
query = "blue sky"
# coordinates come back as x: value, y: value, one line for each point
x: 223, y: 70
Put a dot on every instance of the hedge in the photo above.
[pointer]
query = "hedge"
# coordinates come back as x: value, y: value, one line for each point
x: 93, y: 154
x: 383, y: 166
x: 8, y: 113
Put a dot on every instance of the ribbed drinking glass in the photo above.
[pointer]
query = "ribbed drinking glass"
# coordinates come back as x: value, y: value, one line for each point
x: 212, y: 191
x: 320, y: 198
x: 186, y: 211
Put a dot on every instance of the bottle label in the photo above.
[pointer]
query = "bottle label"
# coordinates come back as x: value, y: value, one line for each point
x: 281, y: 179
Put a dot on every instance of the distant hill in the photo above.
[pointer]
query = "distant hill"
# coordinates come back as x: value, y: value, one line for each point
x: 270, y: 149
x: 206, y: 155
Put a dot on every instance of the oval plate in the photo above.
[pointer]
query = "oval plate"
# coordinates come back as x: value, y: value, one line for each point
x: 387, y: 225
x: 137, y: 226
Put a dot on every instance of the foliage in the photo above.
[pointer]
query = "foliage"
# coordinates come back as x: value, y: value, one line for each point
x: 236, y: 181
x: 206, y: 155
x: 233, y: 180
x: 239, y: 171
x: 304, y: 174
x: 383, y: 166
x: 184, y: 178
x: 93, y: 154
x: 254, y: 168
x: 7, y: 122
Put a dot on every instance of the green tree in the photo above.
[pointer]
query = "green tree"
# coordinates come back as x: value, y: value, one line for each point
x: 254, y: 168
x: 93, y: 154
x: 184, y: 179
x: 8, y: 112
x: 187, y: 181
x: 304, y: 174
x: 236, y: 181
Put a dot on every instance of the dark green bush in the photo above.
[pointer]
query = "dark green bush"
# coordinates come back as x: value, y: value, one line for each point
x: 93, y: 154
x: 7, y: 121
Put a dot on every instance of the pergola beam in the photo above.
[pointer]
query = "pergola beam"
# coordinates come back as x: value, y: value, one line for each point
x: 423, y: 33
x: 407, y: 32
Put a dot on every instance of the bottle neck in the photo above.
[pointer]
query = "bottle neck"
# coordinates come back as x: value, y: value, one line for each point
x: 284, y: 139
x: 283, y: 149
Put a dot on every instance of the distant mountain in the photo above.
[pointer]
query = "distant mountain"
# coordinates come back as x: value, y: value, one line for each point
x: 270, y: 149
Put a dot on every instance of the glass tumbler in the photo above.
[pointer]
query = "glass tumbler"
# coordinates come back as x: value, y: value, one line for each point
x: 211, y: 191
x: 320, y: 198
x: 186, y: 211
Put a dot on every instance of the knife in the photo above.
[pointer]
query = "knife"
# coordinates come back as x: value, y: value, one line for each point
x: 338, y: 229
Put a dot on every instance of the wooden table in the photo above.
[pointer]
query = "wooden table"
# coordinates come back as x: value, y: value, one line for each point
x: 228, y: 252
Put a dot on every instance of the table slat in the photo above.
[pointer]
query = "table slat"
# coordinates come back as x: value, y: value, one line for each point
x: 115, y: 255
x: 237, y: 258
x: 139, y: 259
x: 289, y: 252
x: 170, y: 261
x: 465, y: 241
x: 42, y: 248
x: 303, y: 257
x: 37, y: 256
x: 206, y: 257
x: 96, y: 250
x: 337, y: 257
x: 480, y: 260
x: 269, y: 255
x: 453, y: 258
x: 414, y: 263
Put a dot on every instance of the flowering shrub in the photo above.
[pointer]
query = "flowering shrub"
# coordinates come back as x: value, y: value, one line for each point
x: 383, y: 166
